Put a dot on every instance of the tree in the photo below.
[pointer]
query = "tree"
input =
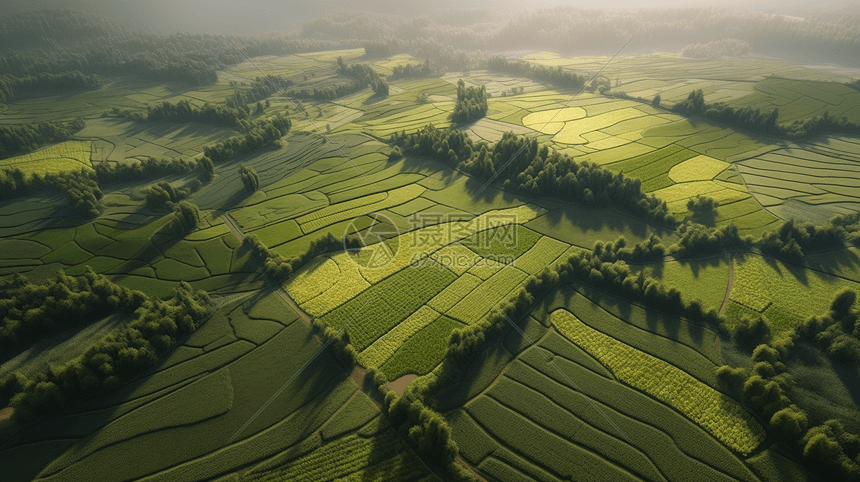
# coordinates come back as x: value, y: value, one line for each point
x: 250, y: 178
x: 703, y: 206
x: 656, y: 101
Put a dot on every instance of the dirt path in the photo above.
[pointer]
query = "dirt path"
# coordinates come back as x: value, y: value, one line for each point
x: 731, y: 282
x: 729, y: 286
x: 231, y: 223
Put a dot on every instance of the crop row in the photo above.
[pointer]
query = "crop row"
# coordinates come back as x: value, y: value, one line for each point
x: 342, y: 213
x: 715, y: 412
x: 343, y: 206
x: 672, y: 441
x: 486, y: 295
x: 382, y: 349
x: 749, y: 288
x: 511, y: 240
x: 541, y: 255
x: 540, y: 410
x: 699, y: 168
x: 380, y: 308
x: 454, y: 292
x: 347, y: 286
x: 356, y: 413
x: 310, y: 282
x: 423, y: 351
x: 348, y: 455
x: 558, y: 455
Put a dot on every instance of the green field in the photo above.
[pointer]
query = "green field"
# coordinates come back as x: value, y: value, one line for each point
x: 599, y: 378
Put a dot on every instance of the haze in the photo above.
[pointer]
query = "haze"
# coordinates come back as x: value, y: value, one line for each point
x: 258, y: 16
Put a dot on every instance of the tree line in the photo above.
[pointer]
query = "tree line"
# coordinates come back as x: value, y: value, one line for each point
x: 277, y: 267
x: 23, y: 138
x: 528, y: 168
x: 364, y: 75
x: 555, y: 76
x: 471, y: 103
x: 93, y: 45
x: 768, y: 388
x: 31, y: 311
x: 263, y: 133
x: 756, y: 120
x: 11, y: 85
x: 789, y: 242
x: 157, y: 325
x: 411, y: 70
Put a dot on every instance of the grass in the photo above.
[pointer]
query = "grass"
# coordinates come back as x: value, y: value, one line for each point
x: 717, y: 413
x: 176, y: 409
x: 705, y: 280
x: 352, y: 209
x: 786, y: 294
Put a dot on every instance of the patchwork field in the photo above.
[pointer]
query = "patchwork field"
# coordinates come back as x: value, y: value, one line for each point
x: 592, y: 382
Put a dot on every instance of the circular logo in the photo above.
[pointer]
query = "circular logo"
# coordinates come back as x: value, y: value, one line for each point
x: 372, y: 240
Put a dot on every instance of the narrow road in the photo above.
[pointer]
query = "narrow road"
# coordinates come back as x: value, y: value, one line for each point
x: 731, y: 282
x: 729, y: 286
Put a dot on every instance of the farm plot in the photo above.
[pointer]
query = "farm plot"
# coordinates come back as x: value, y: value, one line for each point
x: 798, y: 99
x: 575, y: 132
x: 785, y: 294
x: 380, y: 308
x: 654, y: 168
x: 715, y: 412
x: 351, y: 209
x: 62, y: 157
x: 541, y: 255
x: 704, y: 280
x: 816, y: 181
x: 423, y: 351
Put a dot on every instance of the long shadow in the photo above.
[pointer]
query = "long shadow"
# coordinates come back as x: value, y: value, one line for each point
x: 24, y: 450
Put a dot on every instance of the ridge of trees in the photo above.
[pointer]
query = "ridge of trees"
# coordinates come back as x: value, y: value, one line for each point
x: 555, y: 76
x: 263, y: 133
x: 471, y: 103
x: 29, y: 310
x: 157, y: 326
x: 411, y: 70
x: 11, y: 85
x: 279, y: 268
x: 535, y: 170
x: 789, y: 242
x: 364, y: 75
x: 78, y: 41
x: 756, y: 120
x: 23, y: 138
x: 249, y: 177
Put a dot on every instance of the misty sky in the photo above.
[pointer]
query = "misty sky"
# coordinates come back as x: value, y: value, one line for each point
x: 258, y: 16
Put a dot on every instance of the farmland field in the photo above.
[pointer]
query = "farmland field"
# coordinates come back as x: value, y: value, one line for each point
x: 222, y: 276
